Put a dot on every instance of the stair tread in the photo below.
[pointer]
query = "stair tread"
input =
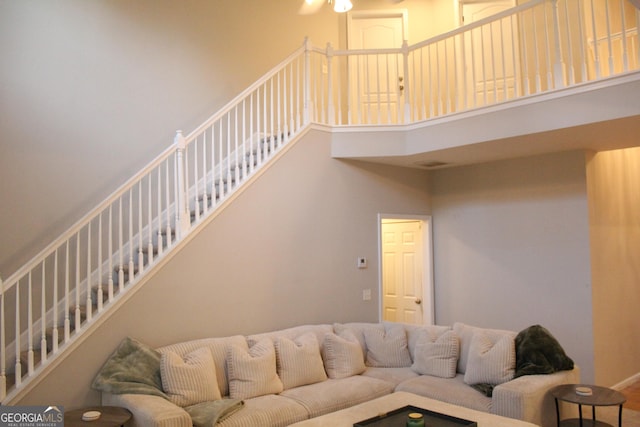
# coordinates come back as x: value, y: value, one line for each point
x: 125, y: 268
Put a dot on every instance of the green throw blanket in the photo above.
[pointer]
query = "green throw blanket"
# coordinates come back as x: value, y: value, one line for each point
x: 133, y: 368
x: 208, y: 414
x: 538, y: 352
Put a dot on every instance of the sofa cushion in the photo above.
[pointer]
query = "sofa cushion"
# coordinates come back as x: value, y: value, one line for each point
x: 450, y: 390
x: 465, y: 334
x: 253, y: 372
x: 490, y: 362
x: 219, y: 349
x: 332, y: 395
x: 190, y: 379
x: 342, y: 355
x: 268, y: 410
x: 292, y: 333
x: 437, y: 356
x: 299, y: 361
x: 391, y: 375
x: 387, y: 348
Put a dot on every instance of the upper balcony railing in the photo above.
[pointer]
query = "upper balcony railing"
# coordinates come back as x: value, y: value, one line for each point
x: 537, y: 47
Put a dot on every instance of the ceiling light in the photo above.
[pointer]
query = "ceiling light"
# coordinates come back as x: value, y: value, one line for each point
x: 342, y: 6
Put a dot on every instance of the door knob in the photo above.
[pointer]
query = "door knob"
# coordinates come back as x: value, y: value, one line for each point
x: 418, y: 301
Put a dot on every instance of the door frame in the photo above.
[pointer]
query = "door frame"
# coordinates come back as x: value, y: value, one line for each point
x: 380, y: 13
x: 459, y: 4
x: 428, y: 293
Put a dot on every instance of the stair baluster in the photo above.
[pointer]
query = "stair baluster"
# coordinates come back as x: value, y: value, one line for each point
x: 43, y: 314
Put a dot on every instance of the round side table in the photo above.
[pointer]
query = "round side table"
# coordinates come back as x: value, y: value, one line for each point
x: 110, y: 416
x: 601, y: 396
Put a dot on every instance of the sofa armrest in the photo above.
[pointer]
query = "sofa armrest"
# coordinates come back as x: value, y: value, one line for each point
x: 525, y: 398
x: 149, y: 411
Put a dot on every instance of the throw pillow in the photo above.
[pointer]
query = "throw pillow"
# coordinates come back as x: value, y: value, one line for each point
x: 465, y: 334
x: 387, y: 348
x: 416, y: 333
x: 253, y: 372
x: 299, y: 362
x: 342, y: 355
x: 191, y: 379
x: 438, y: 357
x: 357, y: 329
x: 490, y: 362
x: 133, y: 368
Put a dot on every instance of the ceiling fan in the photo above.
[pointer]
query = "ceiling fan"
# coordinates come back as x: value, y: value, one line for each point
x: 312, y: 6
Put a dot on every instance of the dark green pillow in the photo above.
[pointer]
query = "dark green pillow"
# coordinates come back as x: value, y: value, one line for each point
x: 133, y: 368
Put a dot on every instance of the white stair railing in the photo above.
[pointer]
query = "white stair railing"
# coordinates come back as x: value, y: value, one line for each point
x: 51, y: 300
x: 536, y: 47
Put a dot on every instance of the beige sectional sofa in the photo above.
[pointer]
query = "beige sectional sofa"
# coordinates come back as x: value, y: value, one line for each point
x: 290, y: 375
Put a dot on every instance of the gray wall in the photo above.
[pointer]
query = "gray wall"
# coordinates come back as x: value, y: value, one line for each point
x: 283, y: 253
x: 512, y: 248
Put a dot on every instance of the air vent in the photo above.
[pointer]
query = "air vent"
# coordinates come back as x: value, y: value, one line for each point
x: 433, y: 164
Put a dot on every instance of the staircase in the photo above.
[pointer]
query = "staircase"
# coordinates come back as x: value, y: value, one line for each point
x: 72, y: 284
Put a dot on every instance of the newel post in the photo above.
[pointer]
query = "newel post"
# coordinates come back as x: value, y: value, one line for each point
x: 405, y: 82
x: 558, y: 65
x: 331, y: 113
x: 307, y: 82
x: 183, y: 223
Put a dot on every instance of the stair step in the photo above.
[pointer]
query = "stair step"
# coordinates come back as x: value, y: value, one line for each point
x: 24, y: 360
x: 154, y: 249
x: 126, y: 268
x: 49, y: 335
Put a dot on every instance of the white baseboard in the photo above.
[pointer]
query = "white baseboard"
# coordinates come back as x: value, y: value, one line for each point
x: 627, y: 382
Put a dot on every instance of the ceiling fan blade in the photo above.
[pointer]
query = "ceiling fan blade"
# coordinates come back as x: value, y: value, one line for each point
x: 310, y: 7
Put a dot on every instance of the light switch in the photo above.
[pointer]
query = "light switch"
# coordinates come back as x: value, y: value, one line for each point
x: 362, y: 262
x: 366, y: 295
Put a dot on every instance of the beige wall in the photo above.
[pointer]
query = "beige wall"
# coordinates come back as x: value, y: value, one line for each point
x: 284, y: 253
x: 614, y: 225
x: 511, y: 248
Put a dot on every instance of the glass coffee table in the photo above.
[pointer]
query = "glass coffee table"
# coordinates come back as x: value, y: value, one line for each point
x: 589, y: 395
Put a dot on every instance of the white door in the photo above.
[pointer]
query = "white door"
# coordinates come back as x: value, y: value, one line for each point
x: 402, y: 271
x: 491, y: 54
x: 375, y: 81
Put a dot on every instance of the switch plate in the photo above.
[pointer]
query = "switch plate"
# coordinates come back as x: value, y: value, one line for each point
x: 366, y: 295
x: 362, y: 262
